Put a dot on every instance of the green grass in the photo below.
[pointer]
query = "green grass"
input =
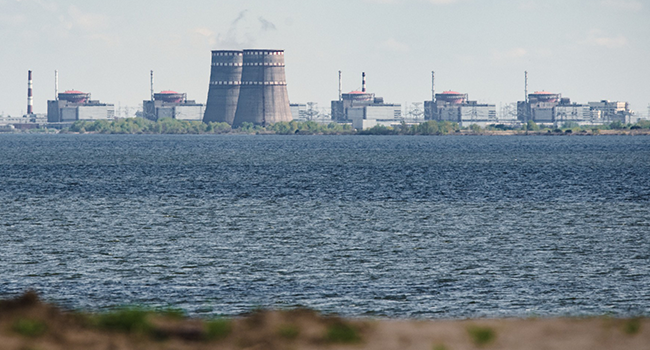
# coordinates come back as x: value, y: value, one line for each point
x: 439, y: 347
x: 29, y: 328
x: 218, y: 329
x: 342, y: 333
x: 176, y: 314
x: 632, y: 326
x: 289, y: 331
x: 131, y: 320
x: 481, y: 335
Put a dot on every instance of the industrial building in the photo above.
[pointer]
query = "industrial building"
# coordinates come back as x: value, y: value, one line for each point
x: 74, y: 105
x: 457, y: 108
x: 611, y: 111
x: 248, y: 86
x: 549, y: 108
x: 543, y: 107
x: 171, y: 104
x: 363, y: 109
x: 298, y: 111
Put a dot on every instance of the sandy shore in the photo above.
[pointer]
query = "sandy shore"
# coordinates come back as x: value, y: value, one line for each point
x: 28, y: 324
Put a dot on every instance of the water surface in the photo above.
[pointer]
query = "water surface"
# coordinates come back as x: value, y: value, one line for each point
x: 429, y: 227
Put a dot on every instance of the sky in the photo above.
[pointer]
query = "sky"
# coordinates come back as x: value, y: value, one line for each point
x: 587, y: 50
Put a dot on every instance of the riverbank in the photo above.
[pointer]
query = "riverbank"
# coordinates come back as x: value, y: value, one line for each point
x: 430, y: 127
x: 28, y: 323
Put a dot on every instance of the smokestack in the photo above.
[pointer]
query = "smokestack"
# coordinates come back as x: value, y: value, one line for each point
x: 340, y: 89
x: 30, y: 98
x: 526, y: 86
x: 433, y: 86
x: 56, y: 85
x: 363, y: 82
x: 152, y: 85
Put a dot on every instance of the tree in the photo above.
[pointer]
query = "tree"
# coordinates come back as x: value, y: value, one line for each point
x: 616, y: 125
x: 532, y: 126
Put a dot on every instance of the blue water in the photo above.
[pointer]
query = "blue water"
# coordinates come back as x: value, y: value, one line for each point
x: 426, y: 227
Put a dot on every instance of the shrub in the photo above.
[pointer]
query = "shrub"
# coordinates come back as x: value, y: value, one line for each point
x: 378, y: 130
x: 29, y: 328
x: 481, y: 335
x: 289, y: 331
x: 126, y: 320
x: 342, y: 333
x: 218, y: 329
x: 643, y: 124
x: 632, y: 326
x: 617, y: 125
x: 532, y: 126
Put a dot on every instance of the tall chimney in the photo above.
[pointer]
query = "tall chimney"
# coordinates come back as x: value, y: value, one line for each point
x: 526, y: 103
x: 526, y: 86
x: 340, y: 88
x: 56, y: 85
x: 433, y: 86
x: 363, y: 82
x: 30, y: 98
x: 152, y: 85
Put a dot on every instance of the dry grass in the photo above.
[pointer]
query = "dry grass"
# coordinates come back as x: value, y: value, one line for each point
x: 27, y: 323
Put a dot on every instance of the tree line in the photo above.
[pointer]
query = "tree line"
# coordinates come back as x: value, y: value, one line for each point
x: 430, y: 127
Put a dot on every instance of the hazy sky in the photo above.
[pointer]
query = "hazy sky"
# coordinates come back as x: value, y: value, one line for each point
x: 585, y: 49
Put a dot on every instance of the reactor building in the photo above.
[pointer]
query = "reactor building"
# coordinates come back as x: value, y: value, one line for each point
x: 73, y: 105
x: 247, y: 86
x: 549, y: 108
x: 363, y: 108
x: 543, y: 107
x: 171, y: 104
x: 456, y: 107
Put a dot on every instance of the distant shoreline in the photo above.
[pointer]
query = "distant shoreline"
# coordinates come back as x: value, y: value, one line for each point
x: 461, y: 133
x: 426, y: 128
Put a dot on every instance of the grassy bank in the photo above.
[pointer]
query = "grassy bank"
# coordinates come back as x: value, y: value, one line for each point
x: 27, y: 323
x: 173, y: 126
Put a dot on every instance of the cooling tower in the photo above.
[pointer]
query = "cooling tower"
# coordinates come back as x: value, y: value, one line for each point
x: 263, y: 98
x: 225, y: 81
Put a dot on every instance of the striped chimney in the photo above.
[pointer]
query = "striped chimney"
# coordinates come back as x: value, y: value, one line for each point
x: 30, y: 98
x: 363, y: 82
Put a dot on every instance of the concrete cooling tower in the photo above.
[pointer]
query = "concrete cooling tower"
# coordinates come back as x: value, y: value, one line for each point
x: 225, y: 81
x: 247, y: 86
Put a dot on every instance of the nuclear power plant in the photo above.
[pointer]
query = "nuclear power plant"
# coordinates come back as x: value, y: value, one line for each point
x: 171, y: 104
x: 363, y: 108
x: 73, y: 105
x: 247, y: 86
x: 548, y: 108
x: 456, y: 107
